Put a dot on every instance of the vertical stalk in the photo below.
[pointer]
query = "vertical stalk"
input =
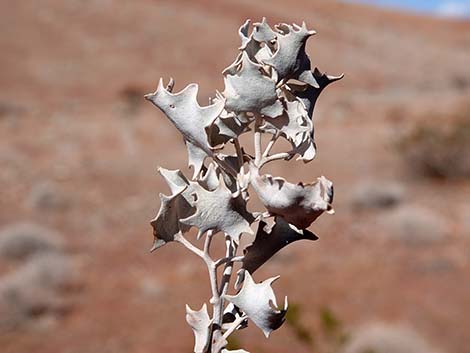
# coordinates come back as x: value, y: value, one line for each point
x: 218, y: 302
x: 257, y: 140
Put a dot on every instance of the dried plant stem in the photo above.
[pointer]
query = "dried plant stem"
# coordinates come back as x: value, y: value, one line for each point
x: 239, y: 151
x: 238, y: 321
x: 230, y: 253
x: 225, y: 166
x: 275, y: 157
x: 270, y: 145
x: 188, y: 245
x: 224, y: 260
x: 218, y: 302
x: 257, y: 140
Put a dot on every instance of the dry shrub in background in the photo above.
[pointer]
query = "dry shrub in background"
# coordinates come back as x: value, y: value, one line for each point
x: 36, y: 289
x: 377, y: 194
x: 42, y: 276
x: 48, y: 196
x: 381, y: 338
x: 22, y: 240
x: 440, y: 150
x: 414, y: 225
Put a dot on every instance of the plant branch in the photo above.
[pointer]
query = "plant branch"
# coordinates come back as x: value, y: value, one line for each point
x: 239, y: 151
x: 270, y: 145
x: 231, y: 250
x: 257, y: 141
x: 232, y: 259
x: 238, y: 321
x: 225, y: 166
x: 276, y: 157
x: 207, y: 244
x: 190, y: 246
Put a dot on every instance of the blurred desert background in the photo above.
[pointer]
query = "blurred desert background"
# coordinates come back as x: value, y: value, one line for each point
x: 80, y: 147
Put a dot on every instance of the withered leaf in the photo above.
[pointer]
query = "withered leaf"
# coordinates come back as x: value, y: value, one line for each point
x: 262, y: 32
x: 227, y: 127
x: 269, y: 242
x: 166, y: 225
x: 250, y: 90
x: 218, y: 210
x: 308, y: 94
x: 258, y: 302
x: 295, y: 125
x: 188, y: 116
x: 290, y: 60
x: 298, y: 204
x: 200, y: 322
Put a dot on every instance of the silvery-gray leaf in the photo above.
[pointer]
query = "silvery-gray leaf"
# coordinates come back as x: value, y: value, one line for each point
x: 200, y: 322
x: 269, y: 242
x: 309, y: 95
x: 242, y: 180
x: 187, y: 115
x: 307, y: 149
x: 172, y: 208
x: 196, y: 157
x: 263, y: 54
x: 298, y: 204
x: 263, y: 32
x: 243, y: 33
x: 166, y: 224
x: 249, y: 45
x: 210, y: 179
x: 225, y: 128
x: 294, y: 124
x: 174, y: 178
x: 251, y: 91
x: 290, y: 59
x: 245, y: 118
x: 218, y: 210
x: 234, y: 67
x: 258, y: 302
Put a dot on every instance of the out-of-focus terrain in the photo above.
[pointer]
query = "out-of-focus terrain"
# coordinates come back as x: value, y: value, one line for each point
x: 79, y: 149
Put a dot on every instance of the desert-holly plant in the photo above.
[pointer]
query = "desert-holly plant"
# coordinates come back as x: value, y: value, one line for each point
x: 269, y: 89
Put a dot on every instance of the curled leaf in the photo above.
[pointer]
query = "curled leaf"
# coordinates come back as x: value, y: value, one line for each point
x: 227, y: 127
x: 258, y: 302
x: 166, y: 225
x: 263, y: 32
x: 309, y: 94
x: 219, y: 210
x: 298, y: 204
x: 250, y: 90
x: 210, y: 179
x: 290, y: 60
x: 269, y: 242
x: 200, y: 322
x: 295, y: 125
